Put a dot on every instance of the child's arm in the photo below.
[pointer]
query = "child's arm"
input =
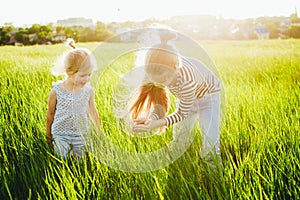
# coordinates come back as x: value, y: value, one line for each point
x: 93, y: 112
x: 158, y: 112
x: 50, y: 115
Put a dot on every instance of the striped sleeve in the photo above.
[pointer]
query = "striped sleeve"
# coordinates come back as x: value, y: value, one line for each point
x: 185, y: 103
x: 154, y: 116
x: 158, y: 112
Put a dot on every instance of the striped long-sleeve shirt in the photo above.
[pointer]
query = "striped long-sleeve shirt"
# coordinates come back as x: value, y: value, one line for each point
x: 195, y: 81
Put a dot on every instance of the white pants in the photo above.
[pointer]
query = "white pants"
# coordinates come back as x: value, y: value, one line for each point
x: 65, y: 147
x: 207, y: 111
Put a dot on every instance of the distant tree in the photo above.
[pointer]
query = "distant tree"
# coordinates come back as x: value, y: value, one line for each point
x: 293, y: 31
x: 45, y: 34
x: 87, y: 35
x: 35, y: 28
x: 101, y: 32
x: 112, y: 26
x: 59, y: 29
x: 4, y: 36
x: 294, y: 17
x: 274, y: 31
x: 239, y: 35
x: 41, y: 33
x: 252, y: 35
x: 71, y: 33
x: 104, y: 35
x: 100, y: 25
x: 22, y: 36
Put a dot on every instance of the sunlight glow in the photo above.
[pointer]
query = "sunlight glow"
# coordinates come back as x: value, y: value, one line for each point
x: 30, y: 11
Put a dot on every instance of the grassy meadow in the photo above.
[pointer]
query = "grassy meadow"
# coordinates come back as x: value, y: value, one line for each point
x: 260, y: 137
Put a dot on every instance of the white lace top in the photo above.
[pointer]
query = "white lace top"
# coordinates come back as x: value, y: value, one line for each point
x: 71, y: 116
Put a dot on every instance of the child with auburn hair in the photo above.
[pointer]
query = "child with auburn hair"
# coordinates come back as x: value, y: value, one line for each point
x: 71, y: 103
x: 196, y: 88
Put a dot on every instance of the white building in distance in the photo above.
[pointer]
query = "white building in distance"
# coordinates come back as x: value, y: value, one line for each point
x: 76, y: 21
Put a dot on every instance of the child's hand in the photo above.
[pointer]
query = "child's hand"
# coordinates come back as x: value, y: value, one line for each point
x: 142, y: 125
x: 148, y: 125
x: 142, y: 120
x: 49, y: 141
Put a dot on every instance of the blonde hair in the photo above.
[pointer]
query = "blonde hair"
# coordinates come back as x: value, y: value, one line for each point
x: 73, y: 60
x: 161, y: 56
x: 149, y: 94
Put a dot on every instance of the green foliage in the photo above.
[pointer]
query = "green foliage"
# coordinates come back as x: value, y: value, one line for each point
x: 43, y: 34
x: 5, y: 35
x: 101, y: 33
x: 259, y: 132
x: 293, y: 31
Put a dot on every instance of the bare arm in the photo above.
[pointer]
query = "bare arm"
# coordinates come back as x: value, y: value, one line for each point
x: 148, y: 125
x: 158, y: 112
x: 50, y: 114
x: 93, y: 112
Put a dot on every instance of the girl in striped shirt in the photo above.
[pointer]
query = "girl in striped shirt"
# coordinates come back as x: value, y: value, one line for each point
x: 196, y: 88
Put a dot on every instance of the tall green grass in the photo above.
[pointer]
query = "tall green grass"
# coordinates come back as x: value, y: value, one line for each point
x: 259, y: 133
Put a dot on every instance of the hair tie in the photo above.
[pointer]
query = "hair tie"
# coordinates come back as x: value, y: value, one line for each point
x: 71, y: 43
x: 154, y: 85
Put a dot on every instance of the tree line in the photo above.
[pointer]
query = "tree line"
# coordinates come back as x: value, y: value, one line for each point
x: 198, y: 27
x: 48, y: 34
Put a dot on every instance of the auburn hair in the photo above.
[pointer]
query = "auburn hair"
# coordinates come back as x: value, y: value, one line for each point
x: 148, y: 96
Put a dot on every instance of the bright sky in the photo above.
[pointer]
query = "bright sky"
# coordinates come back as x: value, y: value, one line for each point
x: 22, y: 12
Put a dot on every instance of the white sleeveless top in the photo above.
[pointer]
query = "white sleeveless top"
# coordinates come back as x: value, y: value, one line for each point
x: 71, y: 120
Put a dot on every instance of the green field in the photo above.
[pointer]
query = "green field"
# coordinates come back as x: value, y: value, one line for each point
x: 260, y: 137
